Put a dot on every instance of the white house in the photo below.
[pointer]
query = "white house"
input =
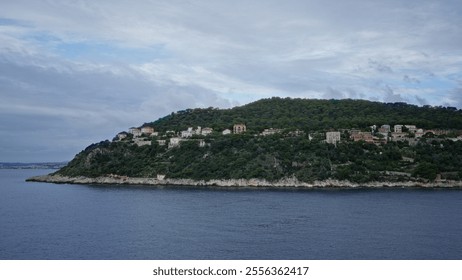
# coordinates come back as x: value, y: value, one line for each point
x: 174, y: 142
x: 333, y: 137
x: 186, y: 134
x: 135, y: 131
x: 206, y: 131
x: 270, y: 131
x: 411, y: 127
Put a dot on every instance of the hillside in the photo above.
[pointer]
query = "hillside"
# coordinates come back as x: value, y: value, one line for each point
x: 298, y: 150
x: 312, y: 115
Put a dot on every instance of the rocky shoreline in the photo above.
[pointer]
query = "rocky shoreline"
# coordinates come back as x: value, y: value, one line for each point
x: 240, y: 183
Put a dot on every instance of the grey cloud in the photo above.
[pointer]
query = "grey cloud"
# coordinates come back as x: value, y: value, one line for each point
x: 56, y: 113
x: 379, y: 66
x: 421, y: 100
x: 456, y: 97
x: 391, y: 96
x: 409, y: 79
x: 333, y: 94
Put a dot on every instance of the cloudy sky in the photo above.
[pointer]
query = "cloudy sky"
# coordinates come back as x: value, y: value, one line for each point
x: 74, y: 73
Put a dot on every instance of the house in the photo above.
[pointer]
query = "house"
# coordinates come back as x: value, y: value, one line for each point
x: 384, y: 128
x: 395, y: 136
x: 147, y: 130
x: 419, y: 133
x: 122, y: 135
x: 333, y: 137
x: 139, y: 142
x: 206, y: 131
x: 398, y: 128
x: 412, y: 128
x: 363, y: 136
x: 161, y: 142
x: 186, y: 134
x: 270, y: 131
x: 174, y: 142
x: 239, y: 128
x: 135, y: 131
x: 226, y: 132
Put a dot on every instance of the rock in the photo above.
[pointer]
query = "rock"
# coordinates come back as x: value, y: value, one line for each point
x: 283, y: 183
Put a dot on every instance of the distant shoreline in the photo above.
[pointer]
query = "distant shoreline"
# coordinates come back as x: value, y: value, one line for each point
x: 283, y: 183
x: 33, y: 165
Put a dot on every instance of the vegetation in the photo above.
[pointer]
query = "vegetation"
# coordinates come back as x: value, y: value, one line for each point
x: 313, y: 115
x: 305, y: 155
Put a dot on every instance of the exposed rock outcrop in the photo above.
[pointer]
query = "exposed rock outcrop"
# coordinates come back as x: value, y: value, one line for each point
x: 284, y: 183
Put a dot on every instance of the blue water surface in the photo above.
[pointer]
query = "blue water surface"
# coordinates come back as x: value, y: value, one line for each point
x: 50, y: 221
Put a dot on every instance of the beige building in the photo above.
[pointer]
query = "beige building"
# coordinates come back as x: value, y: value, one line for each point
x: 363, y: 136
x: 147, y: 130
x: 239, y: 128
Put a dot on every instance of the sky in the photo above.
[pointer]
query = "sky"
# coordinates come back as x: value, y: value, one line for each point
x: 76, y: 72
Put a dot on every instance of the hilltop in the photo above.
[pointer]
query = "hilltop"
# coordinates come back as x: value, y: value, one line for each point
x: 312, y: 115
x: 289, y: 140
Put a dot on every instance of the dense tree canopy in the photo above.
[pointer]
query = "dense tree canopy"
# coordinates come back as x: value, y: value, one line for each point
x: 313, y: 114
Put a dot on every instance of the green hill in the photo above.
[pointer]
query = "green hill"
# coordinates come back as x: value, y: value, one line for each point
x: 299, y: 150
x: 313, y: 114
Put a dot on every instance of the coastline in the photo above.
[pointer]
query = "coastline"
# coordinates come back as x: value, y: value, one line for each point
x: 283, y: 183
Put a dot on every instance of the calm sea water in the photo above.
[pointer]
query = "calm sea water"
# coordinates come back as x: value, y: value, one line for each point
x: 47, y: 221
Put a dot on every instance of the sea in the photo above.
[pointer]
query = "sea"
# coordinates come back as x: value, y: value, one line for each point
x: 94, y: 222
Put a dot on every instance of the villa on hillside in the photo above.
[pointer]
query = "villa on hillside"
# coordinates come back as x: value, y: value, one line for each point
x: 362, y: 136
x: 398, y: 128
x: 239, y: 128
x: 206, y: 131
x: 122, y: 135
x: 198, y: 131
x: 135, y: 131
x: 187, y: 133
x: 333, y: 137
x: 147, y: 130
x: 174, y: 142
x: 270, y: 131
